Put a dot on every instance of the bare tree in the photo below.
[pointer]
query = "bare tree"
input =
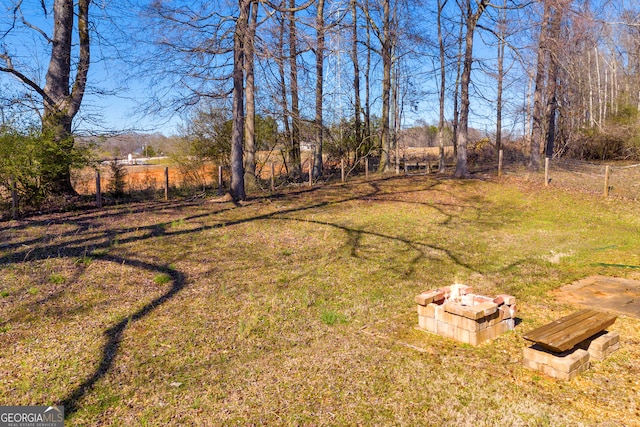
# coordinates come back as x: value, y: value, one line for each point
x: 546, y: 81
x: 356, y: 75
x: 472, y: 16
x: 282, y: 84
x: 384, y: 37
x: 387, y: 43
x: 443, y: 85
x: 61, y: 95
x: 502, y: 34
x: 367, y: 84
x: 456, y: 90
x: 538, y: 112
x: 320, y: 35
x: 250, y: 119
x: 237, y: 189
x: 552, y: 82
x: 294, y: 153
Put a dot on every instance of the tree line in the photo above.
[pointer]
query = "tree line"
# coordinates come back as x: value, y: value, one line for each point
x: 563, y: 74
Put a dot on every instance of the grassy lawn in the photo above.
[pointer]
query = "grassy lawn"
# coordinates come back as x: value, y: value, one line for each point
x: 299, y: 309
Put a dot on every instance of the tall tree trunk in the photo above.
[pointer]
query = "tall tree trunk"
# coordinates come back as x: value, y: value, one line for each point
x: 528, y: 112
x: 320, y: 32
x: 367, y: 91
x: 600, y: 120
x: 605, y: 91
x: 501, y: 46
x: 62, y: 103
x: 250, y: 118
x: 463, y: 124
x: 552, y: 83
x: 296, y: 159
x: 614, y: 85
x: 463, y: 130
x: 396, y: 116
x: 456, y: 91
x: 538, y: 111
x: 443, y: 87
x: 592, y: 119
x: 283, y: 88
x: 385, y: 140
x: 356, y: 76
x: 237, y: 168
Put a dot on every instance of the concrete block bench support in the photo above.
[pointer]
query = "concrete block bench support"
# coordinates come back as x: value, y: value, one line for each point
x: 565, y: 347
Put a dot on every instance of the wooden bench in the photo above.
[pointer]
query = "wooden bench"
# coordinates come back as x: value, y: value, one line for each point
x: 565, y: 333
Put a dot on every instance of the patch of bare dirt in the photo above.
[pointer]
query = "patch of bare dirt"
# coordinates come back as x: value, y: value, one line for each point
x: 611, y: 294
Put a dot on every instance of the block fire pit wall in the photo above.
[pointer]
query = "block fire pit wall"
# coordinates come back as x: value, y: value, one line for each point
x: 455, y: 312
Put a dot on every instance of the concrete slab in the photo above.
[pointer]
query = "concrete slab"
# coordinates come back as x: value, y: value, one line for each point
x: 612, y: 294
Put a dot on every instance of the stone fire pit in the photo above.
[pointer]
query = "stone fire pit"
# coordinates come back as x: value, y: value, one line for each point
x: 456, y: 312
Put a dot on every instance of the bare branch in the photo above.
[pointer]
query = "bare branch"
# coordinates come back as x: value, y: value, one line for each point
x: 9, y: 69
x: 515, y: 49
x: 37, y: 29
x: 80, y: 83
x: 372, y: 23
x: 514, y: 7
x: 288, y: 9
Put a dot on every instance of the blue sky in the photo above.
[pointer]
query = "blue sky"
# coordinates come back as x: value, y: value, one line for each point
x: 112, y: 101
x: 115, y: 97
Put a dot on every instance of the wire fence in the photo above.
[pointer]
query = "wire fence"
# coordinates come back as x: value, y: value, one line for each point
x: 608, y: 179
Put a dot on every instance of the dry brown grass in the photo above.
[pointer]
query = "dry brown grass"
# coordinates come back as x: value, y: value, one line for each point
x: 143, y: 177
x: 298, y: 309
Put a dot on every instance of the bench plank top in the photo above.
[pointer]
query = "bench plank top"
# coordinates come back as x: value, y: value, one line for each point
x: 563, y: 334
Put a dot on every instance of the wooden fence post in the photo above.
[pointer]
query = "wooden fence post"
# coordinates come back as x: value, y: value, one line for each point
x: 14, y: 199
x: 311, y: 169
x: 500, y: 163
x: 546, y: 171
x: 166, y: 183
x: 366, y: 167
x: 273, y: 177
x: 606, y: 180
x: 98, y: 189
x: 220, y: 189
x: 342, y: 170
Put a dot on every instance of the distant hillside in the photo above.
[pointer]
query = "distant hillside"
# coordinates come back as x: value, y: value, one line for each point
x: 137, y: 144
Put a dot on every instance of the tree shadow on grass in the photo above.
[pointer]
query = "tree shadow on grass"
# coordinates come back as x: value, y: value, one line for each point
x: 77, y: 248
x: 113, y: 335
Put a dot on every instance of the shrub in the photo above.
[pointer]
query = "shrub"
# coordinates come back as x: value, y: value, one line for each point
x: 30, y: 158
x: 616, y: 139
x: 118, y: 175
x: 19, y: 164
